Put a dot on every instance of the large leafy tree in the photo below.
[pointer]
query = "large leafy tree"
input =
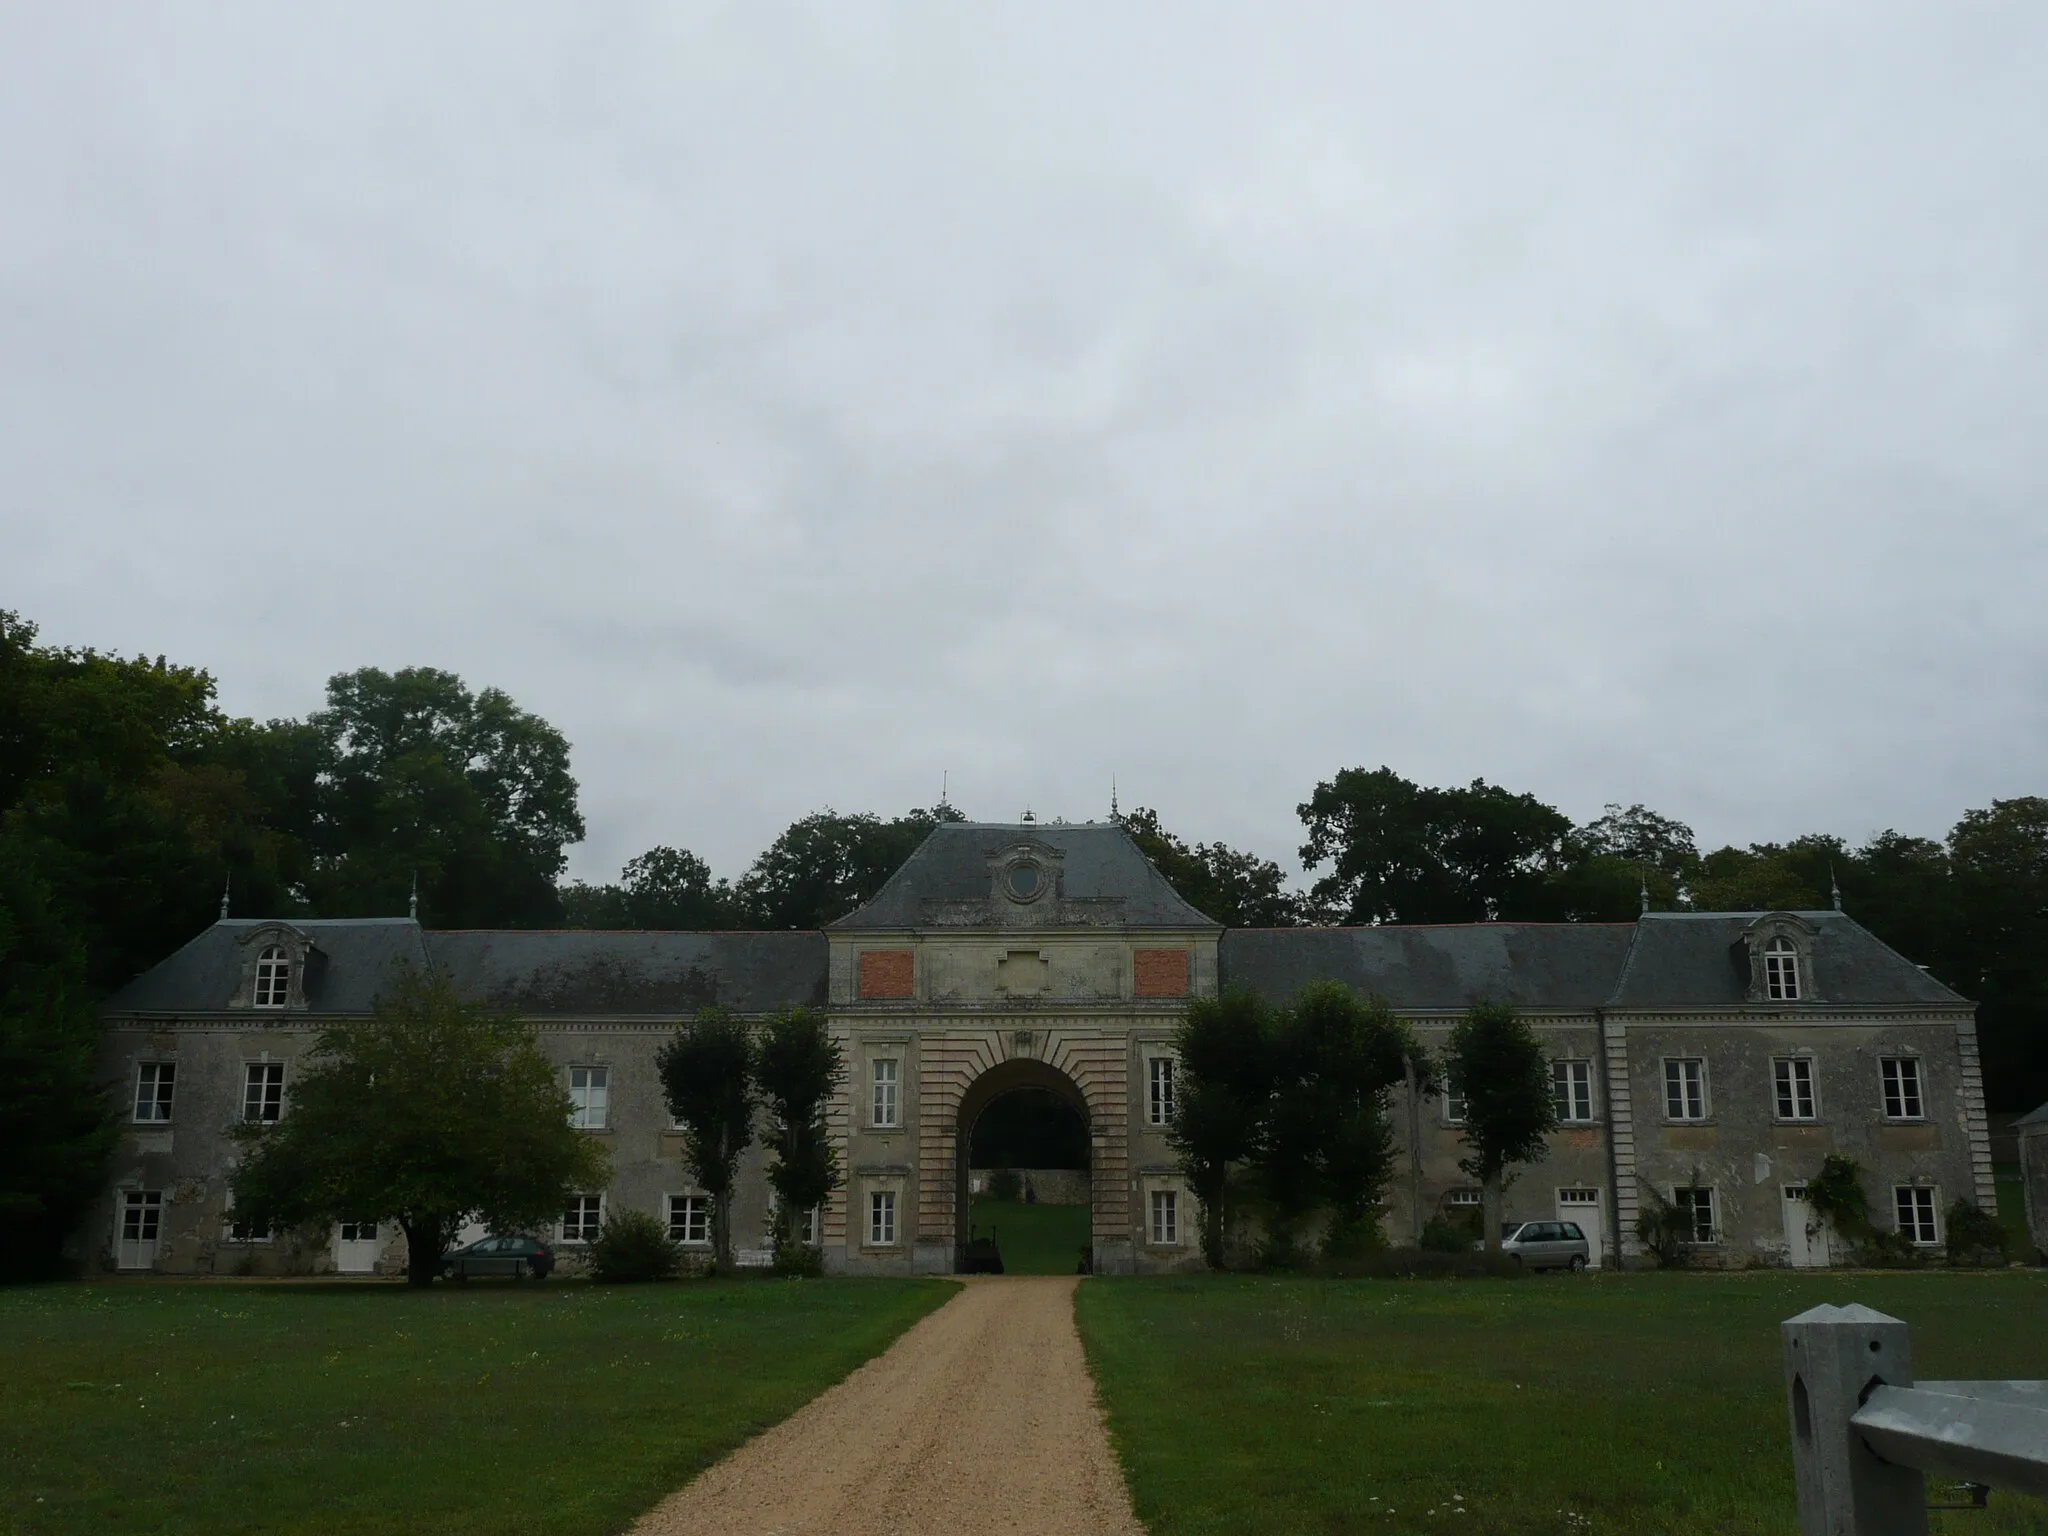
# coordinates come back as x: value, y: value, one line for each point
x: 419, y: 776
x: 1999, y: 859
x: 1494, y: 1060
x: 431, y: 1110
x: 663, y: 888
x: 797, y: 1065
x: 1400, y: 852
x: 707, y: 1077
x: 1225, y: 1050
x: 826, y: 864
x: 1237, y: 889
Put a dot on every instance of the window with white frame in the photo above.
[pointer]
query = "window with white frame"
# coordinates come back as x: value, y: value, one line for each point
x: 1792, y: 1076
x: 273, y: 977
x: 885, y: 1104
x: 241, y: 1230
x: 583, y: 1219
x: 1454, y: 1104
x: 1159, y: 1091
x: 1781, y: 970
x: 1165, y: 1218
x: 1916, y: 1205
x: 1571, y: 1087
x: 1463, y: 1199
x: 807, y: 1228
x: 1697, y: 1206
x: 155, y: 1081
x: 359, y: 1231
x: 590, y: 1093
x: 689, y: 1218
x: 141, y: 1215
x: 263, y: 1091
x: 1901, y: 1078
x: 881, y: 1217
x: 1685, y: 1088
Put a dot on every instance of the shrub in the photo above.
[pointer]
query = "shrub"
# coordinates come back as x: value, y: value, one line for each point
x: 799, y: 1261
x: 1005, y: 1184
x: 634, y: 1246
x: 1836, y: 1195
x: 1665, y: 1230
x: 1975, y: 1237
x: 1448, y: 1234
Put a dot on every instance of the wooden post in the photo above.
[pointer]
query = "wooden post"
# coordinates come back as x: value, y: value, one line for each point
x: 1833, y: 1355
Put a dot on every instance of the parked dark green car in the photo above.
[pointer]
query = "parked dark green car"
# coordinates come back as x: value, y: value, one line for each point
x: 500, y: 1256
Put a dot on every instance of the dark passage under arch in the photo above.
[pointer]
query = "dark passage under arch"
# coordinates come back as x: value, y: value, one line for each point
x: 1028, y: 1115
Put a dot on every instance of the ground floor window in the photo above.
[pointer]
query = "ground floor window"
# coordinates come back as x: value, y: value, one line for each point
x: 1165, y: 1217
x: 141, y: 1214
x: 359, y: 1231
x: 583, y: 1219
x: 689, y: 1218
x: 240, y: 1231
x: 1698, y: 1207
x: 1915, y: 1205
x: 882, y: 1217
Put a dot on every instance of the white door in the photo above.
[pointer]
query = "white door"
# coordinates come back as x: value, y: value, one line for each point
x: 1583, y: 1206
x: 1806, y: 1235
x: 140, y: 1215
x: 356, y: 1246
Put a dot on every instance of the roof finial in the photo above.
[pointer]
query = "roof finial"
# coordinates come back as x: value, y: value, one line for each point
x: 412, y: 907
x: 945, y: 786
x: 1835, y: 885
x: 227, y: 885
x: 1114, y: 814
x: 1644, y: 892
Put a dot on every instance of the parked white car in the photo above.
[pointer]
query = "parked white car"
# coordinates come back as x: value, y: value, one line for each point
x: 1544, y: 1244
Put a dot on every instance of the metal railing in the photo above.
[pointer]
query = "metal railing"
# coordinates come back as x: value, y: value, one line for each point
x: 1865, y: 1436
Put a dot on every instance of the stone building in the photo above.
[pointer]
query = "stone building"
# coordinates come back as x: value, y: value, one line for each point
x: 1712, y: 1059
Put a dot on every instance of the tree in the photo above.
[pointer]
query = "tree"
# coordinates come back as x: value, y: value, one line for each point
x: 1999, y: 859
x: 797, y: 1066
x: 707, y: 1071
x: 418, y: 776
x: 1326, y: 1141
x: 1225, y: 1079
x: 826, y: 864
x: 1237, y: 889
x: 56, y: 1128
x: 1401, y: 853
x: 1609, y: 862
x: 432, y: 1109
x: 664, y: 888
x: 1494, y: 1060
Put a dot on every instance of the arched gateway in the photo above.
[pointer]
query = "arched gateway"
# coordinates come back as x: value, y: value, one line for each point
x: 1005, y: 957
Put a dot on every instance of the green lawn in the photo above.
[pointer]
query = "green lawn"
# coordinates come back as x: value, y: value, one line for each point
x: 1034, y: 1239
x: 172, y: 1407
x: 1636, y: 1404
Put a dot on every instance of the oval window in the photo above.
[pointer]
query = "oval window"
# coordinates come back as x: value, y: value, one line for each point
x: 1023, y: 881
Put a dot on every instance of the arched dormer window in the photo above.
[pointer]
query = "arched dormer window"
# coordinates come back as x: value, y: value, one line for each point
x: 1781, y: 970
x: 273, y: 978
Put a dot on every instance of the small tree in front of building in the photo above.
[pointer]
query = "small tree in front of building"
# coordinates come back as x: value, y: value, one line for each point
x: 1225, y: 1079
x: 797, y: 1066
x: 1494, y: 1060
x: 432, y: 1110
x: 707, y: 1077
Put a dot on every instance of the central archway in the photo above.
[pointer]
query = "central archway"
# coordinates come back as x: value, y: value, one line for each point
x: 1018, y: 1076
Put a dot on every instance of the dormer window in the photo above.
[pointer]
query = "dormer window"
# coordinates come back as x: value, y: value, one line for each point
x: 273, y: 978
x: 1781, y: 971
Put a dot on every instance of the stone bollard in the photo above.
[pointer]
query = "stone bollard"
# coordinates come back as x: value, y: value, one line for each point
x: 1833, y: 1357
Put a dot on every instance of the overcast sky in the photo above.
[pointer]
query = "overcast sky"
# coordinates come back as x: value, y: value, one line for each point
x: 796, y: 403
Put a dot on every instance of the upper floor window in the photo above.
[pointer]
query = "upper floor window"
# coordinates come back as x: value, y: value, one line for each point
x: 886, y: 1082
x: 590, y: 1095
x: 1571, y: 1088
x: 1159, y: 1091
x: 1781, y: 971
x: 1792, y: 1076
x: 1454, y: 1104
x: 1902, y: 1097
x: 155, y: 1081
x: 1685, y: 1088
x: 273, y: 977
x: 263, y: 1090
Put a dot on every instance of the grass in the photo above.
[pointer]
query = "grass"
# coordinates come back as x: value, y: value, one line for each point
x: 1631, y: 1403
x: 561, y: 1408
x: 1034, y: 1239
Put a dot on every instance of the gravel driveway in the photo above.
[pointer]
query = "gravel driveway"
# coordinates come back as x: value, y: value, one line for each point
x: 982, y: 1418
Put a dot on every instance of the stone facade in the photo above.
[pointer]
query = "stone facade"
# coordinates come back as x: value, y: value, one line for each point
x: 1726, y: 1053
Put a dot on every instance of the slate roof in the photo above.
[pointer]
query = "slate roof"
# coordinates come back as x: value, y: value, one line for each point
x: 1105, y: 880
x: 349, y: 960
x: 609, y: 972
x: 1532, y: 965
x: 2032, y: 1118
x: 1696, y: 959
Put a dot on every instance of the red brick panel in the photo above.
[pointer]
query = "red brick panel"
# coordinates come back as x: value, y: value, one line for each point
x: 886, y: 973
x: 1160, y: 972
